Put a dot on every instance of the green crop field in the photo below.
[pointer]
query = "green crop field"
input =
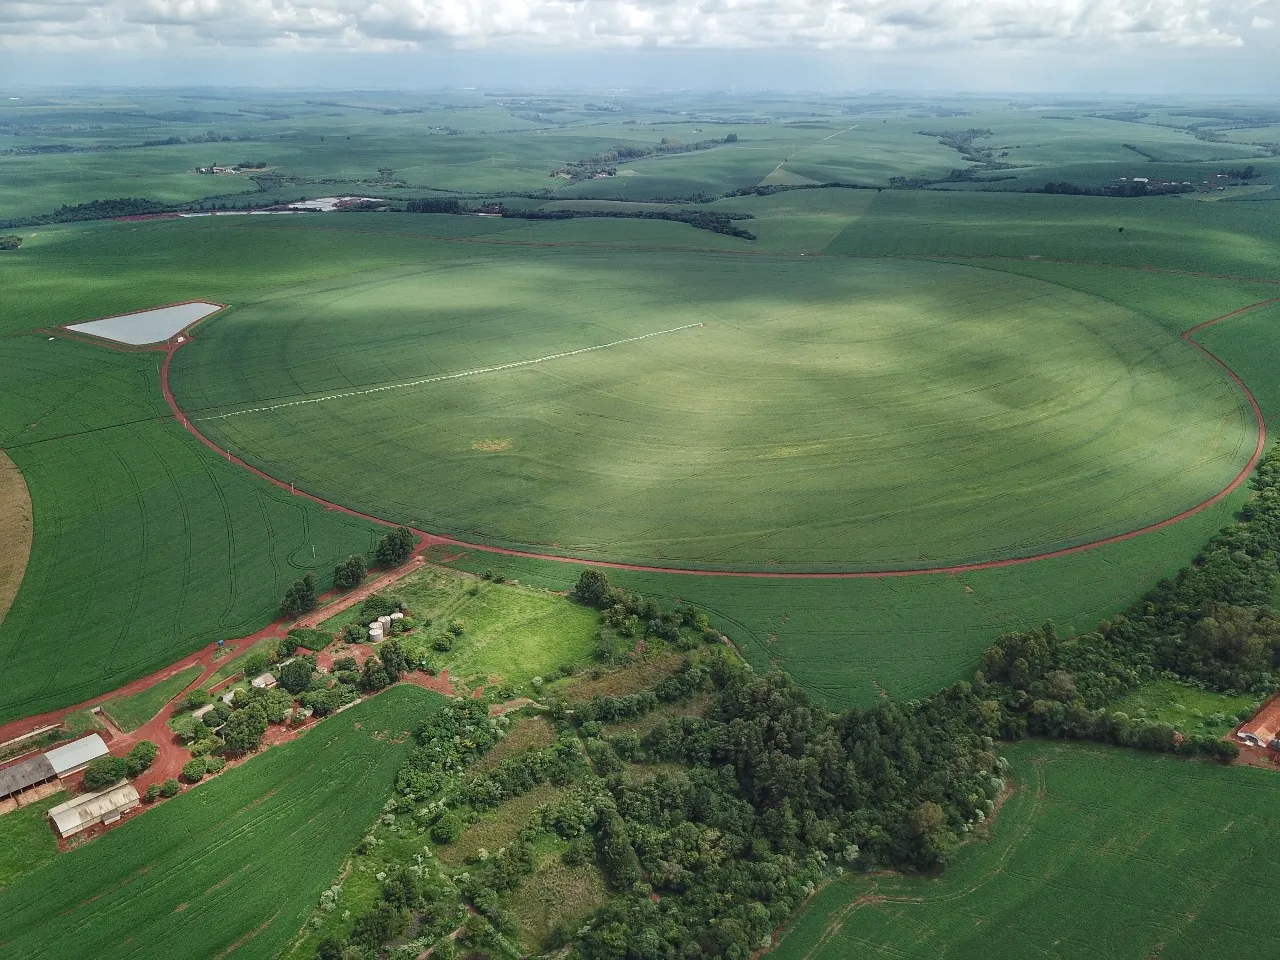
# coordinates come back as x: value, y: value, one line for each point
x: 508, y: 631
x: 234, y: 865
x: 147, y: 545
x: 129, y: 713
x: 1098, y: 853
x: 27, y: 841
x: 864, y: 409
x: 864, y: 415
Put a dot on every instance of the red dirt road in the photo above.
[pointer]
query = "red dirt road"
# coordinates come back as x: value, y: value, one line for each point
x: 427, y: 540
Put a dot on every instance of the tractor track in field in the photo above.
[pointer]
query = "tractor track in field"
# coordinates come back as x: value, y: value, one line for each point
x: 427, y: 540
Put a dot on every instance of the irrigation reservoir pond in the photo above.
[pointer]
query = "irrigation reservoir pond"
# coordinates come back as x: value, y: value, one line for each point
x: 147, y: 326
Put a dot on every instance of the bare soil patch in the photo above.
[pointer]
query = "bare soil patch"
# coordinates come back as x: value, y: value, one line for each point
x: 15, y: 531
x: 492, y: 445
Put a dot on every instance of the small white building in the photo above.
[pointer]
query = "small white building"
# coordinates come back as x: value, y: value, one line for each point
x: 83, y: 812
x: 200, y: 713
x: 75, y: 756
x: 264, y: 681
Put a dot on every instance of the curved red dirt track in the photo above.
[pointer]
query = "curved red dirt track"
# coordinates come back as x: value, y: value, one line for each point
x: 431, y: 539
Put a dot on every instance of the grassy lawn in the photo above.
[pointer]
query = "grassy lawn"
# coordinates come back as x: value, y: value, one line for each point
x: 512, y: 632
x: 1186, y: 708
x: 131, y: 712
x: 27, y: 841
x: 235, y: 865
x: 1099, y: 853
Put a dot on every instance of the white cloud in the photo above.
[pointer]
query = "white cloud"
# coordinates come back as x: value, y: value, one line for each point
x: 1087, y: 25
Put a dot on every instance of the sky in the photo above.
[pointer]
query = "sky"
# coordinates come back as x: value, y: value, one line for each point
x: 1197, y: 47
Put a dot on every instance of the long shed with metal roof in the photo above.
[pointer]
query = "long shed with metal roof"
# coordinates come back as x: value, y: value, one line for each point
x: 83, y: 812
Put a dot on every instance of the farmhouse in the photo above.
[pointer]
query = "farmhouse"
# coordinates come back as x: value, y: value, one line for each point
x: 105, y: 806
x: 264, y: 681
x: 75, y: 756
x: 1262, y: 730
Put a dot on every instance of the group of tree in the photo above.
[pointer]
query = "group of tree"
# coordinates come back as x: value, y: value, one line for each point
x: 1126, y: 188
x: 300, y: 598
x: 103, y: 772
x: 605, y: 163
x: 93, y: 210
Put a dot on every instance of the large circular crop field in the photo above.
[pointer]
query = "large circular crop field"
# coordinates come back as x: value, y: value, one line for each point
x: 721, y: 412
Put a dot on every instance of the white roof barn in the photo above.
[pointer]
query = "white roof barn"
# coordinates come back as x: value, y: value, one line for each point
x: 76, y: 755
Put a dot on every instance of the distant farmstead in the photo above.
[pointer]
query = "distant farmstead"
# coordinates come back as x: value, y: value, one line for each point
x: 91, y: 809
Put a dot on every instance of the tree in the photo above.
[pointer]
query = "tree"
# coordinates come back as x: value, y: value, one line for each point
x: 350, y: 572
x: 393, y: 658
x: 243, y: 732
x: 299, y: 598
x: 446, y: 830
x: 152, y: 794
x: 196, y: 699
x: 396, y: 547
x: 591, y: 589
x: 374, y: 677
x: 102, y: 772
x: 10, y: 242
x: 295, y: 676
x: 193, y: 770
x: 140, y: 758
x: 170, y: 788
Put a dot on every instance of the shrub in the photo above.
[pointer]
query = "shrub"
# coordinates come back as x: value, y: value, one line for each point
x: 310, y: 639
x: 152, y: 794
x: 170, y: 788
x: 378, y: 605
x: 457, y: 627
x: 193, y: 771
x: 443, y: 643
x: 102, y: 772
x: 10, y: 242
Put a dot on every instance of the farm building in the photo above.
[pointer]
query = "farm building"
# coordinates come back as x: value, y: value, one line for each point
x: 24, y: 775
x: 105, y: 806
x: 199, y: 714
x: 75, y: 756
x: 264, y: 681
x: 1263, y: 729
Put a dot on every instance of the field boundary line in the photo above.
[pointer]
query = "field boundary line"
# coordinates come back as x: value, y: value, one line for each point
x: 427, y: 539
x: 447, y: 376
